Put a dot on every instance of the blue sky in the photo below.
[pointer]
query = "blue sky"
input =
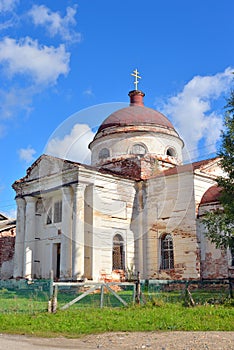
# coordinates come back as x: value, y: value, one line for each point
x: 64, y: 65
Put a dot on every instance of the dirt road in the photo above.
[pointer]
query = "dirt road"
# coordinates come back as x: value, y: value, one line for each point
x: 125, y: 341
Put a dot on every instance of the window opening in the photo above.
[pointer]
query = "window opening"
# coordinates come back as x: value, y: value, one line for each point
x: 171, y: 152
x: 54, y: 213
x: 167, y: 254
x: 49, y: 216
x: 139, y: 149
x: 57, y: 211
x: 118, y: 253
x: 104, y: 153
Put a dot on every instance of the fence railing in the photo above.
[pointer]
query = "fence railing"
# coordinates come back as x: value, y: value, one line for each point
x: 22, y: 296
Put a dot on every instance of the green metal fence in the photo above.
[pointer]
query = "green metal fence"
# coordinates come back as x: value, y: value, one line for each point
x: 95, y: 294
x: 191, y: 292
x: 22, y: 296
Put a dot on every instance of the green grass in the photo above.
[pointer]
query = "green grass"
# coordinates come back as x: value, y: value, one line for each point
x: 22, y: 301
x: 164, y: 317
x: 24, y: 312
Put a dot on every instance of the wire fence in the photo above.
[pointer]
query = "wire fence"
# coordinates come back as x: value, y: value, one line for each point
x: 190, y: 293
x: 22, y: 296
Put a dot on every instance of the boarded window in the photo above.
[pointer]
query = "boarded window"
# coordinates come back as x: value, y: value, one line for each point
x: 138, y: 149
x: 57, y: 211
x: 104, y: 153
x: 167, y: 254
x: 118, y: 253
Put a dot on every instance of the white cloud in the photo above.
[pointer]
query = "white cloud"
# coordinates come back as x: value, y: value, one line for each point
x: 73, y: 146
x: 26, y: 154
x: 42, y: 63
x: 54, y: 23
x: 7, y: 5
x: 191, y: 110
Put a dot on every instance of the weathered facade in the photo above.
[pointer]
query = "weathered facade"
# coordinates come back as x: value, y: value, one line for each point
x: 7, y: 246
x: 136, y: 208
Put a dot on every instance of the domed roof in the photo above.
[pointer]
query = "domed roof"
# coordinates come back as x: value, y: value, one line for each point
x: 211, y: 195
x: 136, y: 114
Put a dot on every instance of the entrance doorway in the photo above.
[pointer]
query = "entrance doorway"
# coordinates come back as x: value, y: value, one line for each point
x: 56, y: 260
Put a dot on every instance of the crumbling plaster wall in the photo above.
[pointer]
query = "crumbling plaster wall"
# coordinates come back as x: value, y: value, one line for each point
x: 120, y: 143
x: 170, y: 208
x: 7, y: 246
x: 214, y: 261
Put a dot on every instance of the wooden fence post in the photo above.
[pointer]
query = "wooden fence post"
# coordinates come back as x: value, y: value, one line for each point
x: 102, y: 296
x: 51, y: 291
x: 54, y: 299
x: 138, y: 289
x: 51, y: 283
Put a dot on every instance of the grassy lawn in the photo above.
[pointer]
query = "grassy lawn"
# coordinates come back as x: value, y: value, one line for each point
x: 77, y: 322
x: 24, y: 312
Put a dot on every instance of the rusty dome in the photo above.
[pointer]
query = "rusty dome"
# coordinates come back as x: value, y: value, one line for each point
x: 135, y: 115
x: 212, y: 195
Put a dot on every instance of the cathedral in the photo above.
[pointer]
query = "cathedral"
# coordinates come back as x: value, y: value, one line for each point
x: 136, y: 208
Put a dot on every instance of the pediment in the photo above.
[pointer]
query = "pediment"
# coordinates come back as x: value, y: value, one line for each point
x: 47, y: 165
x: 211, y: 168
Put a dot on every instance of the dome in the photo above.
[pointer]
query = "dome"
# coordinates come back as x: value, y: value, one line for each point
x: 211, y: 195
x: 136, y: 132
x: 136, y: 114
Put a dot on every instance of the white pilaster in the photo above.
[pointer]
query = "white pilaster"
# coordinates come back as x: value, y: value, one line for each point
x: 30, y: 227
x: 78, y: 232
x: 19, y: 239
x: 66, y: 239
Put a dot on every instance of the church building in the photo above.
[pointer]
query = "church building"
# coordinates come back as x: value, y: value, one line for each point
x: 135, y: 208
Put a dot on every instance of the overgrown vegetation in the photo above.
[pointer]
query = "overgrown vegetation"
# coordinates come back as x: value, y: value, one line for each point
x: 220, y: 223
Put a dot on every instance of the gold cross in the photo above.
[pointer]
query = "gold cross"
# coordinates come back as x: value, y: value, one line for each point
x: 137, y: 76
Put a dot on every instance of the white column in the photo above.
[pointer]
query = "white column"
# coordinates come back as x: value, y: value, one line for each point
x: 66, y: 239
x: 78, y: 232
x: 30, y: 227
x: 140, y: 246
x: 19, y: 239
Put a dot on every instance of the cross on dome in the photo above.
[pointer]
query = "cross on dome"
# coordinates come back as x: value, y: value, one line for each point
x: 137, y: 76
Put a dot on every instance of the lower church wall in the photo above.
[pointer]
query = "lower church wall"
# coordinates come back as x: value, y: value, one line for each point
x: 7, y: 245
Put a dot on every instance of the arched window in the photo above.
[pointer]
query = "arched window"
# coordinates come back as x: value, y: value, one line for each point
x: 167, y: 255
x: 171, y: 152
x: 139, y: 149
x: 118, y: 256
x: 104, y: 153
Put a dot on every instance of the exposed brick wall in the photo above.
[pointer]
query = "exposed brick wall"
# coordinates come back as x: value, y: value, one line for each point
x: 7, y: 247
x: 135, y: 168
x: 215, y: 266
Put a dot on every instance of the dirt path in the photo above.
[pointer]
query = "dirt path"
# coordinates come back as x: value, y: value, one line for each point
x: 125, y: 341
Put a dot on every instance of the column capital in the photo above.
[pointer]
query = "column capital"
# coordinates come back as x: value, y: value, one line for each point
x: 30, y: 199
x: 20, y: 201
x: 79, y: 186
x: 66, y: 190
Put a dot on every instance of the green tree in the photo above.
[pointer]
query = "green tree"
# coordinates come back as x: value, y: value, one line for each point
x: 220, y: 223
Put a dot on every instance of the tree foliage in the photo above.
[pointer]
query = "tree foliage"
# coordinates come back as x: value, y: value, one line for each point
x: 220, y: 223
